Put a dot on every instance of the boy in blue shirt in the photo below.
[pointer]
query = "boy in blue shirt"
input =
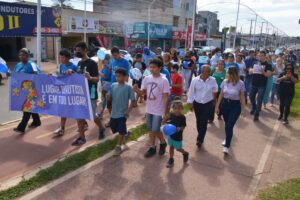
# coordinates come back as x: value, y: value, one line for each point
x: 118, y: 62
x: 28, y: 67
x: 65, y: 68
x: 119, y: 96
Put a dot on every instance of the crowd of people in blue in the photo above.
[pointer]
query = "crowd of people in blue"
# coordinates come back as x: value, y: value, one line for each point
x: 213, y: 85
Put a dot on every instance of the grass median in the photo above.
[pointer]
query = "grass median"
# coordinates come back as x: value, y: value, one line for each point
x: 71, y: 163
x: 295, y: 108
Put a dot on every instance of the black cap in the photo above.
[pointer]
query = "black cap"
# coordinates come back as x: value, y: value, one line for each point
x: 24, y: 51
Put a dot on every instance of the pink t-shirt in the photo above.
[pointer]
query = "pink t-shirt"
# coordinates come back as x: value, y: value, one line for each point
x: 156, y: 88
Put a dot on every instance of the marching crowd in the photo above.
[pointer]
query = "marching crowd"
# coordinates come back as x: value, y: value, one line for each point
x: 220, y: 86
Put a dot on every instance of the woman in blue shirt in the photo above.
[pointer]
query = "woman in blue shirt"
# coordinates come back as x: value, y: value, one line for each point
x: 28, y: 67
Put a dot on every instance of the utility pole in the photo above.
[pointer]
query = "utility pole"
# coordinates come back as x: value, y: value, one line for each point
x: 254, y: 31
x: 267, y: 33
x: 193, y: 25
x: 261, y: 29
x: 250, y: 34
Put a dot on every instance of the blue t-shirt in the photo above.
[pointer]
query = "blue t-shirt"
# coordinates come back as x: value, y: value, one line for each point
x: 120, y: 96
x: 106, y: 73
x: 64, y: 68
x: 147, y: 58
x: 165, y: 72
x: 121, y: 63
x: 227, y: 65
x: 28, y: 68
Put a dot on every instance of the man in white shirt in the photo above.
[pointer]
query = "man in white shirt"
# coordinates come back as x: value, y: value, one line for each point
x: 202, y: 92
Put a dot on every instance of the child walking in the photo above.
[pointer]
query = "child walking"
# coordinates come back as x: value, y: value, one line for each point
x: 175, y: 141
x: 118, y: 97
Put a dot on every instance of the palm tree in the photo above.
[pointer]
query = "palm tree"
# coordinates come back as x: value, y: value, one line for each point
x: 62, y: 3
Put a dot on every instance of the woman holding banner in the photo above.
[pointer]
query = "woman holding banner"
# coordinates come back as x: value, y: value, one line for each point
x: 27, y: 66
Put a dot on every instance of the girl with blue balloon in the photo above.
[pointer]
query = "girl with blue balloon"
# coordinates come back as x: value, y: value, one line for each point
x: 174, y: 132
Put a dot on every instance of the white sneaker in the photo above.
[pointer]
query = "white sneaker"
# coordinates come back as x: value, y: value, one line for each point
x: 59, y: 131
x: 223, y: 143
x: 225, y: 150
x: 118, y: 151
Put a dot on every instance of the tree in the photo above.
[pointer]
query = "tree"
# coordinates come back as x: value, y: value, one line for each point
x: 62, y: 3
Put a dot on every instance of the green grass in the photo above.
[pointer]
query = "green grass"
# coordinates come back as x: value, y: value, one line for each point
x: 289, y: 190
x: 61, y: 168
x: 295, y: 108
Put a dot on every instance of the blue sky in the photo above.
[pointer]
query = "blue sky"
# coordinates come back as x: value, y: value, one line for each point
x: 283, y: 14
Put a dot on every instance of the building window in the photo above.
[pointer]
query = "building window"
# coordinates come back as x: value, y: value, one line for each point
x: 175, y: 21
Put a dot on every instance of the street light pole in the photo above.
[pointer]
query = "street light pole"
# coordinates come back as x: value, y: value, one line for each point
x: 149, y: 16
x: 193, y: 24
x: 236, y: 23
x: 39, y: 34
x: 85, y: 21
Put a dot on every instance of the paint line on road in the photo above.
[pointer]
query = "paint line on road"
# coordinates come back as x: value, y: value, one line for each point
x: 262, y: 163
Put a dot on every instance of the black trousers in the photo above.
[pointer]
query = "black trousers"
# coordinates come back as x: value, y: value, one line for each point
x: 285, y: 104
x: 26, y: 117
x: 212, y: 114
x: 202, y: 113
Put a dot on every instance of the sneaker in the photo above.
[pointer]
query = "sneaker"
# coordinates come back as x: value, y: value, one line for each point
x: 256, y: 118
x: 118, y: 150
x: 151, y: 152
x: 225, y: 150
x: 285, y: 122
x: 280, y: 117
x: 101, y: 134
x: 162, y: 148
x: 60, y: 131
x: 185, y: 157
x: 19, y: 131
x: 170, y: 163
x: 199, y: 144
x: 223, y: 143
x: 34, y: 126
x: 79, y: 141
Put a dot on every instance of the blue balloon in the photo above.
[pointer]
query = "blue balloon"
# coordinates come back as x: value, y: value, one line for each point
x: 3, y: 68
x: 169, y: 129
x: 101, y: 54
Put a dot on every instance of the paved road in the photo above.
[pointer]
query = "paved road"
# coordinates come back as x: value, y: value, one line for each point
x: 21, y: 154
x: 209, y: 175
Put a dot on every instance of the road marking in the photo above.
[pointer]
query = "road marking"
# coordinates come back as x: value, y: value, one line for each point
x: 52, y: 132
x: 261, y: 165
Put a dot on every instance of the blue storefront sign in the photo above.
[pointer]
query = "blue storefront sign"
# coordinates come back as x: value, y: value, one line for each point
x: 19, y: 20
x: 157, y: 31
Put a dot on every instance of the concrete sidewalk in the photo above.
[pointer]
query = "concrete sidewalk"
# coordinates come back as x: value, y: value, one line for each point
x: 208, y: 175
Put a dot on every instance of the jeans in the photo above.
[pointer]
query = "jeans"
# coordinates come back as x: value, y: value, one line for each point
x: 231, y: 110
x: 248, y: 85
x: 256, y: 102
x: 26, y: 118
x: 285, y: 104
x: 187, y: 77
x: 274, y: 92
x: 202, y: 113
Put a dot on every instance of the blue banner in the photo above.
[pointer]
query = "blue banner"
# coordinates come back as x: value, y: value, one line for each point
x: 19, y: 20
x: 64, y: 96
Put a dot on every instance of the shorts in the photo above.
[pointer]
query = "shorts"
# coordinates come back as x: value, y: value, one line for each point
x: 118, y: 125
x: 176, y: 144
x: 153, y: 122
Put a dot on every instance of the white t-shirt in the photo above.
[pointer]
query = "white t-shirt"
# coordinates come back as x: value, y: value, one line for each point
x: 156, y: 87
x: 242, y: 67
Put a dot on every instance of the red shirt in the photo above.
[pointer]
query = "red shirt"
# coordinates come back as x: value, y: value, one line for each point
x: 176, y: 79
